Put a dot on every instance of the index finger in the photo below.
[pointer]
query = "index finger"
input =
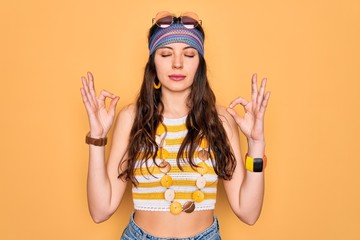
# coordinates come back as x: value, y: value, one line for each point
x: 238, y: 100
x: 104, y: 94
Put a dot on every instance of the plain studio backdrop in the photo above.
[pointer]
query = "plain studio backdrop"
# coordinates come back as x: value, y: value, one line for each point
x: 309, y: 51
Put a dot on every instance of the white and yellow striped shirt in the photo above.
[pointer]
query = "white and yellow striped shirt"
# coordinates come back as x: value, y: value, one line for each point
x: 149, y: 194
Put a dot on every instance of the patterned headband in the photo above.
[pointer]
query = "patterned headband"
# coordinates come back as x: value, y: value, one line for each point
x: 177, y: 33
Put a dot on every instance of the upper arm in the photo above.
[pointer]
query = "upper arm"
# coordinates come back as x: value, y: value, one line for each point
x: 232, y: 187
x: 120, y: 141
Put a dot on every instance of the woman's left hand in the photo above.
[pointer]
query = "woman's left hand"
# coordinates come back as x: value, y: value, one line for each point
x: 252, y: 123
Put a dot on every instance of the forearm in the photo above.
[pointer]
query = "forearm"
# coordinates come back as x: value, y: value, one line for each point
x: 98, y: 185
x: 251, y: 197
x: 252, y: 189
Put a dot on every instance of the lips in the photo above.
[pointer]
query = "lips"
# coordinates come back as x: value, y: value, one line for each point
x: 177, y: 77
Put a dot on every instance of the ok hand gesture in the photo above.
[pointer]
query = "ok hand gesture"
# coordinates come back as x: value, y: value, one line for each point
x: 252, y: 123
x: 100, y: 119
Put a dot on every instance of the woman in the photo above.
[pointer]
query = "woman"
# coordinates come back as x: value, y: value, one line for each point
x: 175, y: 143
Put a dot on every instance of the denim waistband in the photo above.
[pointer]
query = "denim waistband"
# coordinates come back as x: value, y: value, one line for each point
x: 133, y: 231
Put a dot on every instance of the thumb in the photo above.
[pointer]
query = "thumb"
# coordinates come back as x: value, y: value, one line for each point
x: 113, y: 103
x: 233, y: 113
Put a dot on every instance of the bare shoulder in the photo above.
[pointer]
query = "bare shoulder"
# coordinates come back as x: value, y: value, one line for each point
x: 226, y: 119
x: 124, y: 122
x: 221, y: 110
x: 126, y: 115
x: 224, y: 116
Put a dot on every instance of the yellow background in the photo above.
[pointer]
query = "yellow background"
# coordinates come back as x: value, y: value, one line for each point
x: 309, y: 50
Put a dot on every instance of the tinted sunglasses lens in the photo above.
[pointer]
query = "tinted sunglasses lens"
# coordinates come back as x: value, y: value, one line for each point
x: 189, y: 22
x: 164, y: 22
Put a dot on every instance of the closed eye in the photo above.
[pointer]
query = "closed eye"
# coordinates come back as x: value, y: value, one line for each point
x: 165, y: 55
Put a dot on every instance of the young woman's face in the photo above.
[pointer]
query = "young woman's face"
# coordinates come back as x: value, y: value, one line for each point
x: 176, y: 65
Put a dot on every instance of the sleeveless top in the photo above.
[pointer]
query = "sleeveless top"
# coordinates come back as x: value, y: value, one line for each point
x: 149, y: 194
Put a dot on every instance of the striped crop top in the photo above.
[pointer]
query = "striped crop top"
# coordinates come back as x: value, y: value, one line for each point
x: 171, y: 189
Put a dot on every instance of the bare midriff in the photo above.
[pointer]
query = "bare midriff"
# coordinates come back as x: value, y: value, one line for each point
x: 166, y: 224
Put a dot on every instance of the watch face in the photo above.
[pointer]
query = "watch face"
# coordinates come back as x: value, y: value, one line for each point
x: 258, y: 165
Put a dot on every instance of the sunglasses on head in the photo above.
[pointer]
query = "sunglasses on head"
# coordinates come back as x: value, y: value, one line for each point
x: 165, y: 19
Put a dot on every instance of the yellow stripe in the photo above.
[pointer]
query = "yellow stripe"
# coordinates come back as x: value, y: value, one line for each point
x: 174, y: 169
x: 175, y: 141
x: 178, y: 195
x: 176, y: 128
x: 185, y: 183
x: 173, y: 155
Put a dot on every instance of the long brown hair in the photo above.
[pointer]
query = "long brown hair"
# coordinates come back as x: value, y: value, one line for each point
x: 202, y: 122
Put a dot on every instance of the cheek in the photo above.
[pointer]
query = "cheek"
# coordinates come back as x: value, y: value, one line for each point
x: 161, y: 71
x: 158, y: 68
x: 194, y: 64
x: 194, y: 68
x: 161, y: 66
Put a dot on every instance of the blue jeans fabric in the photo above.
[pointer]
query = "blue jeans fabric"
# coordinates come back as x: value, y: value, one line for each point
x: 134, y: 232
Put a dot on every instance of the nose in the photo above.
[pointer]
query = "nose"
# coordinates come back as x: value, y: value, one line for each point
x: 177, y: 61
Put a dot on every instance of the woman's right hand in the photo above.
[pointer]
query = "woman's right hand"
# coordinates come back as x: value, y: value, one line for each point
x: 100, y: 119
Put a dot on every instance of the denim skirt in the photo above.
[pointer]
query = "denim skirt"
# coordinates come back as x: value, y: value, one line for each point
x: 134, y: 232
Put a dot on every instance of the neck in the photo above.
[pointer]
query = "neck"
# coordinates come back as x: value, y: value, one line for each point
x: 175, y: 104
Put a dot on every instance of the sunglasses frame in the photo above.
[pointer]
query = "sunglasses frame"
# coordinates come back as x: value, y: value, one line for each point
x: 165, y: 14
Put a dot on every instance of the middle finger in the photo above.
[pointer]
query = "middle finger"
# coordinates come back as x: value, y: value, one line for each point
x: 91, y: 85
